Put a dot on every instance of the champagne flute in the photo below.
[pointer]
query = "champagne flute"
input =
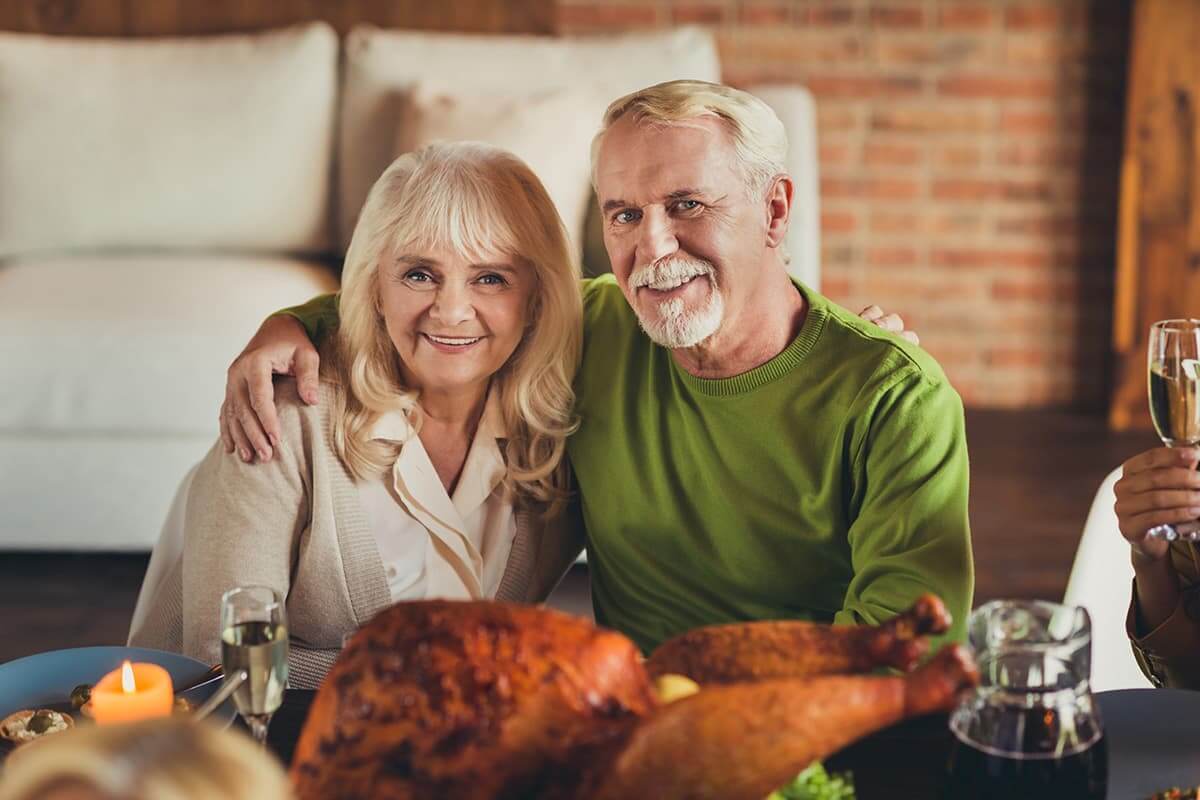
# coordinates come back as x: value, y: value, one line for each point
x: 1174, y: 389
x: 254, y: 638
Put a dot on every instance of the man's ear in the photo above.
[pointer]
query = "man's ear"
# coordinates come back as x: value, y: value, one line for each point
x: 779, y: 210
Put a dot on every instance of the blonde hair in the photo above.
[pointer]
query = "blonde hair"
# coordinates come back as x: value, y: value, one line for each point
x: 165, y: 759
x: 474, y: 199
x: 759, y: 139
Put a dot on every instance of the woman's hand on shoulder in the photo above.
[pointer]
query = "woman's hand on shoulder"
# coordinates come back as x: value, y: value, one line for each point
x: 249, y: 422
x: 1158, y: 487
x: 889, y: 322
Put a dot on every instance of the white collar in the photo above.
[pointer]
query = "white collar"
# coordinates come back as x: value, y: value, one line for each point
x: 393, y: 426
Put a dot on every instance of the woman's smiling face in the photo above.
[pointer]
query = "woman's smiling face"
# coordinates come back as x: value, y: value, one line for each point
x: 454, y: 321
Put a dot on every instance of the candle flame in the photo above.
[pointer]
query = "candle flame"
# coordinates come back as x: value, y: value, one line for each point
x: 128, y: 685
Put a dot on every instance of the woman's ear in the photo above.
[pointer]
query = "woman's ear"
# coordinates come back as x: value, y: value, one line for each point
x: 779, y: 210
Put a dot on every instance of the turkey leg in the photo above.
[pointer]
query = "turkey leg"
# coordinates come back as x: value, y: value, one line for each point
x: 789, y: 649
x: 742, y: 741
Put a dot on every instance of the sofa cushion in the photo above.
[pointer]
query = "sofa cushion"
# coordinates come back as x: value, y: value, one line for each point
x: 90, y: 491
x: 208, y: 142
x: 381, y: 65
x: 551, y: 131
x: 135, y: 344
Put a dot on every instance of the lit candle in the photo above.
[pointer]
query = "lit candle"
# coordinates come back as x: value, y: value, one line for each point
x: 135, y: 691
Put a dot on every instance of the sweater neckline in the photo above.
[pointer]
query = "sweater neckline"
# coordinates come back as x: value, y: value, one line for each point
x: 783, y: 363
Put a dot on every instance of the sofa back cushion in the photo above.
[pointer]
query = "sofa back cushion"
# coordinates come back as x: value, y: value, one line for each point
x: 383, y: 66
x: 550, y: 131
x: 208, y: 142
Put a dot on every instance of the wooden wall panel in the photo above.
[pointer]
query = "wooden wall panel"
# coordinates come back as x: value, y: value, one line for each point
x: 193, y: 17
x: 1158, y: 272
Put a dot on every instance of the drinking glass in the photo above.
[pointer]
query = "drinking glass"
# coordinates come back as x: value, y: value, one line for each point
x: 1174, y: 389
x: 254, y: 638
x: 1031, y: 729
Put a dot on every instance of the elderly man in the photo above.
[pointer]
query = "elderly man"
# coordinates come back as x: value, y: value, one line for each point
x: 746, y: 449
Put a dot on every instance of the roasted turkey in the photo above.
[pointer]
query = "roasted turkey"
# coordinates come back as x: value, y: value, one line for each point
x: 485, y: 700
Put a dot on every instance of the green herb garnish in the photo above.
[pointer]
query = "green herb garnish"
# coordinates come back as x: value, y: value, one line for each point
x: 814, y: 783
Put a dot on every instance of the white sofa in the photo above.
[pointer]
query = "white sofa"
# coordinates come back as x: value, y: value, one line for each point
x: 159, y: 197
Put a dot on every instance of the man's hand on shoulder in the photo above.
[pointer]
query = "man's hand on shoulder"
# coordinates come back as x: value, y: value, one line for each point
x: 889, y: 322
x: 249, y: 423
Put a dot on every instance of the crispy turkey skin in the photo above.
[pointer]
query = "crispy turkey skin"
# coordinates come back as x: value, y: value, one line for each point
x: 486, y: 700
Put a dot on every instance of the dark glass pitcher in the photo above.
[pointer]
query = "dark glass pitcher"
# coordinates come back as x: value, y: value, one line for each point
x: 1032, y: 729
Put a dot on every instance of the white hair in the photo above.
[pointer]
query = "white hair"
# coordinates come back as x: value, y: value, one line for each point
x: 759, y: 139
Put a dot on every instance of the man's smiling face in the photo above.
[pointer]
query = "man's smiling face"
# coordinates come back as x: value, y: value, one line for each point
x: 684, y: 234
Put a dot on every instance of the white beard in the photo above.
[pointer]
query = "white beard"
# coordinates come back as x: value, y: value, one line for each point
x: 672, y: 325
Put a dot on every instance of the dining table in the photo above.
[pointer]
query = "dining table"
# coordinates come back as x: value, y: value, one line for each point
x: 1153, y: 738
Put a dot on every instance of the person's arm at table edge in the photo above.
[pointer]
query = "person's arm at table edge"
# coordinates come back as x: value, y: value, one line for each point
x: 1157, y: 487
x: 1166, y: 641
x: 911, y: 533
x: 1168, y: 654
x: 1161, y: 486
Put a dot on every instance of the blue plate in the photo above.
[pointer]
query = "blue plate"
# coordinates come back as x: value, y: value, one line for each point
x: 47, y: 679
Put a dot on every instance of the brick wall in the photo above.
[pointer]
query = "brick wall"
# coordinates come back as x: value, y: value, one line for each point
x: 969, y: 158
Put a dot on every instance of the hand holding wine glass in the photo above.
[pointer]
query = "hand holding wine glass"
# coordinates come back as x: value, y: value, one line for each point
x: 1174, y: 389
x: 254, y: 638
x: 1158, y: 487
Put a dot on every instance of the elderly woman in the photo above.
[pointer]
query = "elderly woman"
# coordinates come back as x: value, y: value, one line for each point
x: 433, y: 465
x: 1162, y: 487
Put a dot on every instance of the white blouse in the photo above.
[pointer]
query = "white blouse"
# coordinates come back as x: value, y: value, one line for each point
x: 434, y: 545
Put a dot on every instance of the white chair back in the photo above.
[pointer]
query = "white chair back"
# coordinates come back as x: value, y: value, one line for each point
x: 1101, y: 581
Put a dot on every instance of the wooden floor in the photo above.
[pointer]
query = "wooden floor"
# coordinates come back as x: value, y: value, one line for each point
x: 1033, y: 476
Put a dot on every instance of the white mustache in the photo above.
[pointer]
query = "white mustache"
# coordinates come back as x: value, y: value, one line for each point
x: 669, y: 273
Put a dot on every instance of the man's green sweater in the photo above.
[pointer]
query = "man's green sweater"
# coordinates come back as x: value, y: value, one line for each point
x: 828, y: 484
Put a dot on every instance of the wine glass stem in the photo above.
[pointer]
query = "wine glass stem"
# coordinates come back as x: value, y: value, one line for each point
x: 258, y: 727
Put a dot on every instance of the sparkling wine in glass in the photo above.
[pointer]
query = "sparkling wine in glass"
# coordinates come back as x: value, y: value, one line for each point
x: 254, y: 638
x: 1174, y: 388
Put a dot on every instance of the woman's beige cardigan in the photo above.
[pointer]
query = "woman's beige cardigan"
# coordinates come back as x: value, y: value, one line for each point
x: 295, y: 524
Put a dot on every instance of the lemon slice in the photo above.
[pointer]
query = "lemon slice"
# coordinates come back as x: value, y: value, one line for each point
x: 1191, y: 368
x: 672, y: 687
